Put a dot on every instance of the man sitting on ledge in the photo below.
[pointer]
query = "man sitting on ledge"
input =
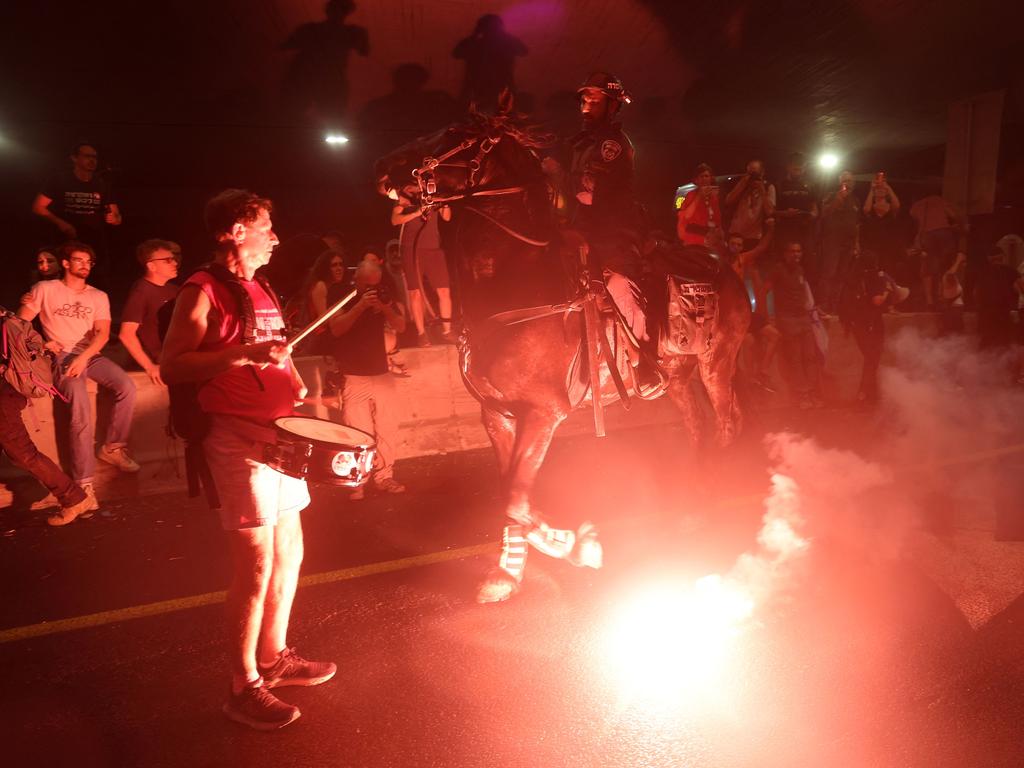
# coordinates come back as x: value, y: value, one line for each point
x: 76, y: 323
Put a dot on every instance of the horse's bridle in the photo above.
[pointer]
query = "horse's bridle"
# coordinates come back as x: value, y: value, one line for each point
x: 425, y: 179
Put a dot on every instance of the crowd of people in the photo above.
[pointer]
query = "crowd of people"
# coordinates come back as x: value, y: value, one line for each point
x: 808, y: 256
x: 223, y: 332
x: 853, y: 252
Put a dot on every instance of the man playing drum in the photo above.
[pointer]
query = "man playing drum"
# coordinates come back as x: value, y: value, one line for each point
x: 226, y: 335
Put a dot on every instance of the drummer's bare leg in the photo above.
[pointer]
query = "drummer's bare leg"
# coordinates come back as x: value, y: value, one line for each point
x: 252, y: 558
x: 280, y: 593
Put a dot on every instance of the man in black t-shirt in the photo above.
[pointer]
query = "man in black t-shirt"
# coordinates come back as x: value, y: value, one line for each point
x: 78, y: 201
x: 368, y: 394
x: 140, y: 331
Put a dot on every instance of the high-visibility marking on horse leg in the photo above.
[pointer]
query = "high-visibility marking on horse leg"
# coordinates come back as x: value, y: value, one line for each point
x: 588, y: 552
x: 554, y: 542
x: 513, y: 551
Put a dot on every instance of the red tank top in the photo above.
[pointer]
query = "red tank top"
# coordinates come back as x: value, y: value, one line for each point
x: 257, y: 394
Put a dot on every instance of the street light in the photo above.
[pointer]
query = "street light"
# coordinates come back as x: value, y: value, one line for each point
x: 335, y: 139
x: 828, y: 161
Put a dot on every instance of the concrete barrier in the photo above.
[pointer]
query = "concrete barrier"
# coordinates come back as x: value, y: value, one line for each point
x: 436, y: 416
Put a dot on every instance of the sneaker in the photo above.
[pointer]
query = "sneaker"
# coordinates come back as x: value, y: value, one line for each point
x: 258, y: 708
x: 423, y: 341
x: 69, y: 514
x: 292, y: 669
x: 396, y: 368
x: 90, y: 497
x: 390, y: 485
x: 118, y: 457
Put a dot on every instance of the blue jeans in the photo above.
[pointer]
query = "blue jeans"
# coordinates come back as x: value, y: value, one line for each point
x: 109, y: 375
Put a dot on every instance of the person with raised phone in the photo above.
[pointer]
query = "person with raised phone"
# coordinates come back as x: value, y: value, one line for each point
x: 226, y: 335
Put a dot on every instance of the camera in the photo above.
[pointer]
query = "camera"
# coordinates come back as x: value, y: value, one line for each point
x: 382, y: 291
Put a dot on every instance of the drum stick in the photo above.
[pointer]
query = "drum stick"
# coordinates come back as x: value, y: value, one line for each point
x: 333, y: 310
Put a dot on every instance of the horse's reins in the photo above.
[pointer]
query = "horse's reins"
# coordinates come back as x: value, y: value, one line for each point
x: 424, y: 176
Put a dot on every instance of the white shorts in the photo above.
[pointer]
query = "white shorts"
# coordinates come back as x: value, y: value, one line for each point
x: 251, y: 493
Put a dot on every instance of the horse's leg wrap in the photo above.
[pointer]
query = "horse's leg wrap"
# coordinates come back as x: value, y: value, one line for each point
x: 513, y: 551
x: 588, y: 552
x: 502, y: 582
x: 553, y: 542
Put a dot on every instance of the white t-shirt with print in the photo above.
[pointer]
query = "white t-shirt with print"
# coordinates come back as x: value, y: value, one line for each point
x: 68, y: 315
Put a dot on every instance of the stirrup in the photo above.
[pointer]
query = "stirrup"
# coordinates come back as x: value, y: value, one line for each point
x: 649, y: 391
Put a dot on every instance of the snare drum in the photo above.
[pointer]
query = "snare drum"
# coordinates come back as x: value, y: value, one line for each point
x: 321, y: 451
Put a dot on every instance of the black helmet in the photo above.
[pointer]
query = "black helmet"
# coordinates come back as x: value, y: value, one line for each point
x: 608, y: 84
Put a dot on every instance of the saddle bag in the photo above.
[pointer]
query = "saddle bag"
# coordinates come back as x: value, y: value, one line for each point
x: 692, y: 314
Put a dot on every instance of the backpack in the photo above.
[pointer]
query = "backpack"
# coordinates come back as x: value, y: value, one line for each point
x: 24, y: 361
x: 186, y: 419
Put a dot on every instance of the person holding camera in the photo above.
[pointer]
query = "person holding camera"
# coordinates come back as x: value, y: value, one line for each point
x: 752, y: 202
x: 700, y: 216
x: 840, y: 240
x: 368, y: 394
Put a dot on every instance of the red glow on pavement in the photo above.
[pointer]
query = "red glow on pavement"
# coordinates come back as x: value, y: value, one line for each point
x: 668, y: 645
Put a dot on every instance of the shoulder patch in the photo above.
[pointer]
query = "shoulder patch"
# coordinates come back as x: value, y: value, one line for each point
x: 610, y: 150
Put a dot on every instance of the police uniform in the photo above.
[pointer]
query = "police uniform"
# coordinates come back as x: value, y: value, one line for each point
x: 601, y: 185
x: 601, y: 178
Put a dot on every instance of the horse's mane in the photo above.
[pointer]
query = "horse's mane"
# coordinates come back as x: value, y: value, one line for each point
x: 512, y: 124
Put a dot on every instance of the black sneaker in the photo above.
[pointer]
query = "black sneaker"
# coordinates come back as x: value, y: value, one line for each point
x: 292, y: 669
x: 258, y: 708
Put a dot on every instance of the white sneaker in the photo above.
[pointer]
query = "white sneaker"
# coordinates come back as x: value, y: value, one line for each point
x: 118, y: 457
x: 92, y: 503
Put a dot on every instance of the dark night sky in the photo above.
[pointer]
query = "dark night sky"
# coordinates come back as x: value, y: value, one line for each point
x: 187, y: 95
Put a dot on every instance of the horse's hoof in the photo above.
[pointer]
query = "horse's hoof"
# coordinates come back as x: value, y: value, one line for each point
x: 588, y: 552
x: 497, y: 587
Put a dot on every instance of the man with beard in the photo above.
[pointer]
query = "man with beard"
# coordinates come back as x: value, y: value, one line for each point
x: 601, y: 191
x: 76, y: 323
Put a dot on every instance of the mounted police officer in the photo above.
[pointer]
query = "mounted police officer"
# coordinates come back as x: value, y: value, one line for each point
x: 604, y: 208
x: 601, y: 171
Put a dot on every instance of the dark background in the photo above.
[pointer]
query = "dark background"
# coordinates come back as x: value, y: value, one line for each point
x: 183, y: 99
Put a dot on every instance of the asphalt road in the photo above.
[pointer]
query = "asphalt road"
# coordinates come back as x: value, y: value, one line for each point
x: 854, y: 654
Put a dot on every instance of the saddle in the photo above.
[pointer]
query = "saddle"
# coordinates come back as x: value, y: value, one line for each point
x: 682, y: 308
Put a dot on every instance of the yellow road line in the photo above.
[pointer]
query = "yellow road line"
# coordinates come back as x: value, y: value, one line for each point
x: 211, y: 598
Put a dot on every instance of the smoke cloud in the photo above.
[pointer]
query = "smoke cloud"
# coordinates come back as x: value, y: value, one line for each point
x: 927, y: 487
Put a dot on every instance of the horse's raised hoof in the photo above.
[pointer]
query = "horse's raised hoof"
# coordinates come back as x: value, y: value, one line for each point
x: 588, y: 552
x: 497, y: 587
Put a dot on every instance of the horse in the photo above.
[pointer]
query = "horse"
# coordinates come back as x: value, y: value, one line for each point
x: 522, y: 335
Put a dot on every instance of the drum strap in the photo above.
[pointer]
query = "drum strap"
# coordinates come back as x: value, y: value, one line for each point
x: 246, y: 310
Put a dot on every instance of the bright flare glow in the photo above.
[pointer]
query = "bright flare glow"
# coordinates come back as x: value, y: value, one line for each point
x: 828, y: 160
x: 669, y: 644
x: 336, y: 138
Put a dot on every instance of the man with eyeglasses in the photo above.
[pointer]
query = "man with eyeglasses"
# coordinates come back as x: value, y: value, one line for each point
x: 140, y: 332
x: 76, y: 322
x: 78, y: 202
